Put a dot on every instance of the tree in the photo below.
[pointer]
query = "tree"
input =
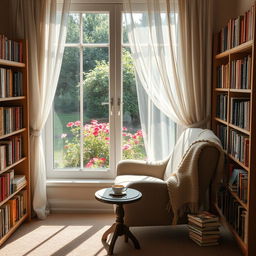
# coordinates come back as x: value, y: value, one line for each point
x: 96, y: 89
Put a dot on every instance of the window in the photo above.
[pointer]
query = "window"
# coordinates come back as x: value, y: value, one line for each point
x: 95, y: 120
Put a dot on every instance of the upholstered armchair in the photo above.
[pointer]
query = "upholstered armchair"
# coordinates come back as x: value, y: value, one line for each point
x: 151, y: 178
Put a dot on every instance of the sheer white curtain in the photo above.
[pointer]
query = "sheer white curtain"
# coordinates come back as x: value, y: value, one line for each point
x: 44, y: 26
x: 171, y: 46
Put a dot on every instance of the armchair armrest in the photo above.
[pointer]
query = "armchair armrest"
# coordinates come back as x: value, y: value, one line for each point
x: 136, y: 167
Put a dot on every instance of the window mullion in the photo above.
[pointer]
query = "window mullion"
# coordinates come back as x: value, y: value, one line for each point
x: 81, y: 96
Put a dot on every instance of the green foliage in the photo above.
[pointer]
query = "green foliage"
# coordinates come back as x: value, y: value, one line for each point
x: 96, y: 89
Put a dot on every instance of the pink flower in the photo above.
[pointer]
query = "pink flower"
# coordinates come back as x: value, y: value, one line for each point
x: 106, y: 130
x: 124, y: 134
x: 134, y: 136
x: 77, y: 123
x: 95, y: 133
x: 124, y: 129
x: 107, y: 138
x: 94, y: 122
x: 103, y: 159
x: 126, y: 147
x: 89, y: 164
x: 70, y: 124
x: 139, y: 133
x: 136, y: 142
x: 63, y: 135
x: 96, y: 129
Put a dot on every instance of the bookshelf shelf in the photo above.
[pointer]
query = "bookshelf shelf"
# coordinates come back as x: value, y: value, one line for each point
x: 12, y: 98
x: 14, y: 146
x: 238, y: 199
x: 225, y: 223
x: 239, y: 129
x: 220, y: 120
x: 239, y: 163
x: 240, y: 91
x: 221, y: 89
x: 13, y: 194
x: 238, y: 49
x: 12, y: 63
x: 13, y: 165
x: 13, y: 133
x: 234, y: 76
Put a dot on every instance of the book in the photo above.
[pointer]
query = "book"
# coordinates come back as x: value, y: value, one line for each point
x: 205, y: 238
x: 202, y: 232
x: 203, y: 217
x: 19, y: 179
x: 205, y: 244
x: 203, y: 225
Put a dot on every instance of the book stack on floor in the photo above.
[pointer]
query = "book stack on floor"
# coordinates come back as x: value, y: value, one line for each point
x: 204, y: 228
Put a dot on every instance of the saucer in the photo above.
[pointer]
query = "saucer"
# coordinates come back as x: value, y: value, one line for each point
x: 117, y: 195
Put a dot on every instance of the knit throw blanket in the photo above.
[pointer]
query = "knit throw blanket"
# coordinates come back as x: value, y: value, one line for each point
x: 183, y: 184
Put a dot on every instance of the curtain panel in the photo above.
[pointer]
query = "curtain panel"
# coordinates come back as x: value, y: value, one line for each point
x: 171, y: 42
x: 44, y: 26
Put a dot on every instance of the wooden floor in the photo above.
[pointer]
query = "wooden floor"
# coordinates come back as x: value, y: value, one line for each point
x: 80, y: 235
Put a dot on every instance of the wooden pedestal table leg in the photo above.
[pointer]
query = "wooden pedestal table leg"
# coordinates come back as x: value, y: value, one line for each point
x: 107, y: 232
x: 129, y: 234
x: 105, y: 236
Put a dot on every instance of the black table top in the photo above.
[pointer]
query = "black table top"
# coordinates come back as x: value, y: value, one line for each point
x: 106, y: 195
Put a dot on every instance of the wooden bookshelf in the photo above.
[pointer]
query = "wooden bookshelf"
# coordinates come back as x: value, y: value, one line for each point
x: 231, y: 57
x: 14, y: 97
x: 225, y: 223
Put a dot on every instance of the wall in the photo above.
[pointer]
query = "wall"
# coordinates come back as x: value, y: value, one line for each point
x: 5, y: 18
x: 223, y: 10
x: 76, y: 196
x: 244, y: 5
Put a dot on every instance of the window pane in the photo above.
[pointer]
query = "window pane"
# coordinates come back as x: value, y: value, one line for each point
x: 73, y: 30
x: 125, y: 32
x: 96, y: 108
x: 95, y: 28
x: 132, y: 140
x: 66, y: 112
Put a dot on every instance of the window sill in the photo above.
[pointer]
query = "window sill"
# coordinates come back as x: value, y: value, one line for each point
x: 102, y: 183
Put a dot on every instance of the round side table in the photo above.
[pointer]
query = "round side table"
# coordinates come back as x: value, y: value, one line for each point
x: 118, y: 228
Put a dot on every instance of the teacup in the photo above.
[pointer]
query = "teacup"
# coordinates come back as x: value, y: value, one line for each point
x: 118, y: 189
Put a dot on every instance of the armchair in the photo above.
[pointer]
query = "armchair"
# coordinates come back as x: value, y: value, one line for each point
x: 151, y: 178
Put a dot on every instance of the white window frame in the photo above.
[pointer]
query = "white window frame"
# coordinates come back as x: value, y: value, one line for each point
x: 115, y: 81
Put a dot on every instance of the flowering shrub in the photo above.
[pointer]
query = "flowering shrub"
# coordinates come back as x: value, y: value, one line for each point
x: 96, y: 145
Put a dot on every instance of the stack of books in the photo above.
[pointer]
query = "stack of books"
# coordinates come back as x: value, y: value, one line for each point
x: 18, y: 182
x: 204, y: 228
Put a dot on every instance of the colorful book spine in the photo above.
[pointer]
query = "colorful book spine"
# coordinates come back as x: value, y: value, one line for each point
x: 10, y: 119
x: 241, y: 73
x: 12, y: 211
x: 10, y: 49
x: 239, y: 147
x: 234, y: 212
x: 240, y: 112
x: 221, y: 111
x: 238, y: 31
